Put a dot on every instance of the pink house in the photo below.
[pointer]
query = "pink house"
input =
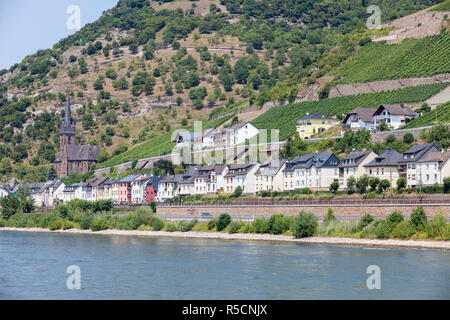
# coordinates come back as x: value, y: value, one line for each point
x: 125, y: 188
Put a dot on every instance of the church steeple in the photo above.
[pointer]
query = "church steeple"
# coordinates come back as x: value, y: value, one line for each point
x: 67, y: 116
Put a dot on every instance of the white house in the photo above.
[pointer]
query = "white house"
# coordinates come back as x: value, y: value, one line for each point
x: 408, y: 168
x: 434, y: 167
x: 239, y: 133
x: 138, y: 186
x: 394, y: 115
x: 360, y: 118
x: 242, y: 175
x: 269, y: 176
x: 53, y: 193
x: 314, y: 171
x: 210, y: 179
x: 353, y: 166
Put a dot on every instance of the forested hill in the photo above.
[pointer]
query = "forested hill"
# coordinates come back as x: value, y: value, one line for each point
x: 145, y: 67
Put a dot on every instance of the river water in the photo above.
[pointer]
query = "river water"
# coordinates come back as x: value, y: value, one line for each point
x: 34, y: 265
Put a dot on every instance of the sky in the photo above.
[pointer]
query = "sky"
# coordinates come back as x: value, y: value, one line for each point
x: 29, y: 25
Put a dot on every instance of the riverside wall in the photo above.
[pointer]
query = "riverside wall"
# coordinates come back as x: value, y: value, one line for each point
x: 342, y: 212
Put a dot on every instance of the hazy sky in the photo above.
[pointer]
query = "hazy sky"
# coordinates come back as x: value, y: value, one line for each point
x: 29, y: 25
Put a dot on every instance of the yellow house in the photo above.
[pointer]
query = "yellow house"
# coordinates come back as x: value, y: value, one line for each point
x: 314, y: 123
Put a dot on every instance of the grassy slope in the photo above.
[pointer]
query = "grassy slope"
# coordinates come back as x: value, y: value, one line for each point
x: 283, y: 117
x: 445, y: 6
x: 440, y: 114
x: 411, y: 58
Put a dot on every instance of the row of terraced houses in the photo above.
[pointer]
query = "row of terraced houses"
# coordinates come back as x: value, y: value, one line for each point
x: 422, y: 164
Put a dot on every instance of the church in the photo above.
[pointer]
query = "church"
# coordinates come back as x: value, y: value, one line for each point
x: 72, y: 157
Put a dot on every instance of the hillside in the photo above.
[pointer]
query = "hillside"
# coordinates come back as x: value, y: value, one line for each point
x: 145, y: 68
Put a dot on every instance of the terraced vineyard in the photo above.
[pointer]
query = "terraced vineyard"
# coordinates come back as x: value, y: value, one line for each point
x: 283, y: 117
x: 159, y: 145
x: 438, y: 115
x: 411, y: 58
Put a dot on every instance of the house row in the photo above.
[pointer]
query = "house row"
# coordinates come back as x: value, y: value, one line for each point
x: 214, y: 138
x: 422, y: 164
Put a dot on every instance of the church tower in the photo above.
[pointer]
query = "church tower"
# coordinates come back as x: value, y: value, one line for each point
x: 66, y: 138
x: 67, y: 132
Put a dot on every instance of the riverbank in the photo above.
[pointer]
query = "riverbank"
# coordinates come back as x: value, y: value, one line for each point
x: 335, y: 241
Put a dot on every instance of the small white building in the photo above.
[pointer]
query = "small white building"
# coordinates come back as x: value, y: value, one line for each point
x: 358, y: 119
x: 138, y: 186
x: 408, y: 166
x: 353, y: 166
x: 239, y: 133
x: 269, y: 176
x: 394, y: 115
x: 242, y: 175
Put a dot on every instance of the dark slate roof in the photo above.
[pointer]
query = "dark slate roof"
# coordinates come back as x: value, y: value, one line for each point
x: 388, y: 158
x: 419, y: 150
x: 154, y: 181
x: 129, y: 178
x: 315, y: 116
x: 436, y: 156
x: 356, y: 157
x: 80, y: 153
x: 239, y: 169
x: 308, y: 160
x: 366, y: 114
x: 395, y: 109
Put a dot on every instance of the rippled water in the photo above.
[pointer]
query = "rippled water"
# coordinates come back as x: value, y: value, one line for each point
x: 33, y: 266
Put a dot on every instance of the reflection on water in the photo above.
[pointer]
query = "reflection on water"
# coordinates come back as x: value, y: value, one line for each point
x: 33, y: 266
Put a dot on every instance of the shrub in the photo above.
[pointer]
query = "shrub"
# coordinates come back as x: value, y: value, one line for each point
x: 237, y: 192
x: 171, y: 227
x: 403, y: 230
x: 447, y: 185
x: 437, y: 227
x: 288, y: 221
x: 369, y: 231
x: 365, y: 221
x: 305, y: 225
x: 261, y: 225
x: 394, y: 218
x: 223, y: 221
x: 144, y: 228
x: 234, y: 226
x: 99, y: 223
x: 62, y: 211
x: 247, y: 228
x: 401, y: 183
x: 334, y: 186
x: 56, y: 224
x: 212, y: 224
x: 276, y: 224
x: 157, y: 224
x: 86, y: 220
x: 68, y: 225
x: 330, y: 216
x: 383, y: 230
x: 185, y: 226
x: 418, y: 219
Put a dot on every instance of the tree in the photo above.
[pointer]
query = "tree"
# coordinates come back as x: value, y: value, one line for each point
x: 447, y: 185
x: 10, y: 205
x: 384, y: 185
x: 51, y: 174
x: 305, y: 225
x: 223, y: 221
x: 408, y: 138
x: 440, y: 134
x: 362, y: 183
x: 373, y: 182
x: 418, y: 219
x: 334, y: 186
x: 27, y: 205
x: 401, y: 183
x: 351, y: 182
x: 237, y: 192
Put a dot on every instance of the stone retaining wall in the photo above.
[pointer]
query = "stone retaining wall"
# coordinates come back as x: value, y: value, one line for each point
x: 341, y: 212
